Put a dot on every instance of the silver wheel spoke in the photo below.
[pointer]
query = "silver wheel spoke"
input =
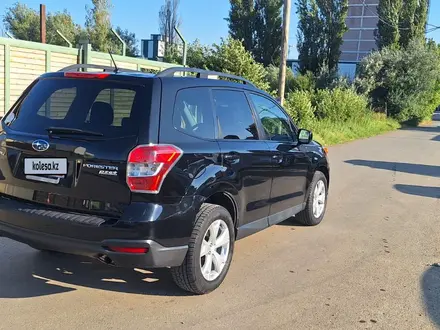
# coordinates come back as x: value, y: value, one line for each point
x: 218, y: 262
x: 205, y: 248
x: 213, y: 230
x: 206, y: 270
x: 222, y: 240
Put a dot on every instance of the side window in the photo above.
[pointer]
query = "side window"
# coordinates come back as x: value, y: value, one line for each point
x: 234, y: 116
x: 275, y: 122
x: 193, y: 113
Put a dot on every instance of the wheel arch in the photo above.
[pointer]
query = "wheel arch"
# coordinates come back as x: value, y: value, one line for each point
x: 226, y: 200
x: 326, y: 172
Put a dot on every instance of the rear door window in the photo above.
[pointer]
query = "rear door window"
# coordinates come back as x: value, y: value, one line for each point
x: 193, y: 112
x: 109, y: 107
x: 234, y: 116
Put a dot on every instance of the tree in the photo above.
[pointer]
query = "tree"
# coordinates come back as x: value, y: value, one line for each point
x: 268, y: 25
x: 421, y: 19
x: 333, y: 13
x: 413, y: 19
x: 230, y: 56
x: 404, y: 82
x: 168, y: 20
x: 196, y: 57
x: 320, y: 30
x: 257, y: 23
x: 63, y: 22
x: 23, y: 22
x: 310, y: 40
x: 388, y: 28
x: 98, y: 25
x: 130, y: 41
x: 241, y: 22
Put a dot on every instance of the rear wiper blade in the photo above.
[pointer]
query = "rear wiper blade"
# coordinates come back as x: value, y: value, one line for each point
x: 72, y: 131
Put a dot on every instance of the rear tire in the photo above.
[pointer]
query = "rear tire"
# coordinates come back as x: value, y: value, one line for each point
x: 314, y: 211
x: 207, y: 262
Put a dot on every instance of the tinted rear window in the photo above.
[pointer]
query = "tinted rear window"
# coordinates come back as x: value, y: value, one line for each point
x: 109, y: 107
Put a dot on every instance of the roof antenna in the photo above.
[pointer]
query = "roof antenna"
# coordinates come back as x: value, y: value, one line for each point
x: 114, y: 63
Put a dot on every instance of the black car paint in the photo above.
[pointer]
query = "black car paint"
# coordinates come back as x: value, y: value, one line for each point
x: 265, y: 181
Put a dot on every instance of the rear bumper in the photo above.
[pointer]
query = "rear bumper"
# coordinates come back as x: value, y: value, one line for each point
x: 157, y: 255
x: 161, y: 229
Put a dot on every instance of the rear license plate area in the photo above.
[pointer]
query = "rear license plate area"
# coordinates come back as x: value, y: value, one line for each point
x: 45, y: 166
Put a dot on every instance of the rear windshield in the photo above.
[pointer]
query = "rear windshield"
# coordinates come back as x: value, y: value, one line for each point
x: 111, y: 108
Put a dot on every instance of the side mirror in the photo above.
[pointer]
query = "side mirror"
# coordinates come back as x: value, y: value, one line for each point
x: 305, y: 136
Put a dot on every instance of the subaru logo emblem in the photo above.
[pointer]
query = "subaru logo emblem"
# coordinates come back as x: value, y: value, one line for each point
x: 40, y: 145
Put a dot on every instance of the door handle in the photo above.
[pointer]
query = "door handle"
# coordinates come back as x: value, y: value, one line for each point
x: 277, y: 159
x: 231, y: 157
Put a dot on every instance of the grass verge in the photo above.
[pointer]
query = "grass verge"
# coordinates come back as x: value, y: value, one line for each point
x: 329, y: 133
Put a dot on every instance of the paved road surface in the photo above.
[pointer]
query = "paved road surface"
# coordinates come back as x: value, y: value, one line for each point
x: 365, y: 267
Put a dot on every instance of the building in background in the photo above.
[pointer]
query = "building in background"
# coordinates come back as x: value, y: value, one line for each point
x: 361, y: 22
x: 359, y: 40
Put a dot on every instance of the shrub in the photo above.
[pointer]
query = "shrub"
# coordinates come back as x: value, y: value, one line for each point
x: 339, y: 104
x: 299, y: 106
x: 402, y: 82
x: 230, y: 56
x: 272, y: 76
x: 304, y: 82
x: 300, y: 82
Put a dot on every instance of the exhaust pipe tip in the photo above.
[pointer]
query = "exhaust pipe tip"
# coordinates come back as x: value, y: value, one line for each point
x: 105, y: 259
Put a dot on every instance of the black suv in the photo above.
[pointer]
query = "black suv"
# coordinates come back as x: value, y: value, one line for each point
x: 142, y: 170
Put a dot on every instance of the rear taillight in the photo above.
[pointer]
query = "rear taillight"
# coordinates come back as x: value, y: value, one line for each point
x: 148, y: 165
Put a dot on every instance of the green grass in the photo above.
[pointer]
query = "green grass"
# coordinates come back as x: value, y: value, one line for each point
x: 330, y: 133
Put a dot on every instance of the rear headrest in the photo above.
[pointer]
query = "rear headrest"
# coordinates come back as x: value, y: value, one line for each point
x: 125, y: 121
x: 101, y: 114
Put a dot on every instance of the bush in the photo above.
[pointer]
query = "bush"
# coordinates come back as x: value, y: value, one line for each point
x: 231, y: 57
x: 300, y: 82
x: 339, y: 104
x: 402, y: 82
x: 272, y: 76
x: 299, y: 106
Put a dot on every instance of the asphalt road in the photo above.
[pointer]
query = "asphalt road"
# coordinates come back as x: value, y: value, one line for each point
x: 367, y: 266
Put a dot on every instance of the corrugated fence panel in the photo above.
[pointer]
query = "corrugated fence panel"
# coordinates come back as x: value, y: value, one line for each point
x: 125, y: 65
x: 28, y: 60
x: 99, y: 61
x: 59, y: 61
x: 26, y: 65
x: 2, y: 79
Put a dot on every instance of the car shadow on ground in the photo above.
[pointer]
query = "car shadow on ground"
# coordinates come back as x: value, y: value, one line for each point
x: 430, y: 283
x: 291, y: 222
x: 432, y: 192
x: 33, y: 273
x: 419, y: 169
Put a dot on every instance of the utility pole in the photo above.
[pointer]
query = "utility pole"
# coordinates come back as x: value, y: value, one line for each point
x: 42, y: 23
x: 284, y: 50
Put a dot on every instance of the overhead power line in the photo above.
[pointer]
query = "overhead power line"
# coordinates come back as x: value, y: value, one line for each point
x: 432, y: 29
x: 362, y: 2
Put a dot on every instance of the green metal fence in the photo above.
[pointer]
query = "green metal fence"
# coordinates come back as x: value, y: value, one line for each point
x: 23, y: 61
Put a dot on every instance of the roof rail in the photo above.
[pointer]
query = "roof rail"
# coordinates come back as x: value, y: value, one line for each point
x: 77, y: 67
x: 201, y: 74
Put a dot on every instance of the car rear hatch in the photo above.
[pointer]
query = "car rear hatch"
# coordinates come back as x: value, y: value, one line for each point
x: 65, y: 143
